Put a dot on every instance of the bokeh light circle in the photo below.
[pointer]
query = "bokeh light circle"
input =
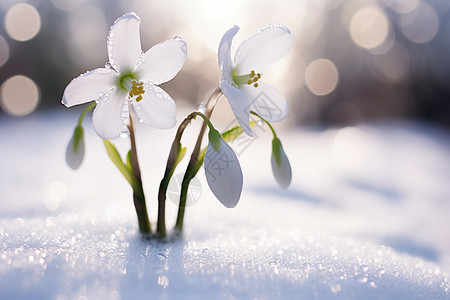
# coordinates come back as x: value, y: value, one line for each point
x: 369, y: 27
x: 392, y: 65
x: 321, y: 77
x: 22, y: 22
x: 19, y: 95
x: 4, y: 51
x: 404, y: 6
x: 421, y: 25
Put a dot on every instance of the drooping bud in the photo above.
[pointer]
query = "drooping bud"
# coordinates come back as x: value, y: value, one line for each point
x: 75, y: 148
x: 223, y: 173
x: 281, y: 167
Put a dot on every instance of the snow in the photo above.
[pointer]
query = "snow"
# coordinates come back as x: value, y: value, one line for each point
x: 365, y: 217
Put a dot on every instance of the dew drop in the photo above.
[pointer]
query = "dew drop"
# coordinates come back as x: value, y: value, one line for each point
x: 361, y: 278
x: 259, y: 122
x: 177, y: 38
x: 272, y: 263
x: 363, y: 268
x: 108, y: 65
x: 201, y: 108
x: 141, y: 120
x: 124, y: 134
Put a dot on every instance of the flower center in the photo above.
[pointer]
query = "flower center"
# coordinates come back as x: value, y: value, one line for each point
x: 137, y: 89
x: 125, y: 81
x: 249, y: 79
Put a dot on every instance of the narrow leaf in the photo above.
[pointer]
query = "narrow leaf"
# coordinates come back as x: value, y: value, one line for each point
x: 123, y: 168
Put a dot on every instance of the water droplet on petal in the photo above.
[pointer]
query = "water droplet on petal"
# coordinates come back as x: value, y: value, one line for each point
x: 201, y: 108
x: 125, y: 134
x: 259, y: 122
x: 108, y: 65
x: 177, y: 38
x: 141, y: 121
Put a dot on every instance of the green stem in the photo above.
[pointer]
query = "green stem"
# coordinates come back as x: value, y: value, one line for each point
x: 138, y: 195
x: 191, y: 171
x: 170, y: 168
x: 85, y: 111
x: 265, y: 121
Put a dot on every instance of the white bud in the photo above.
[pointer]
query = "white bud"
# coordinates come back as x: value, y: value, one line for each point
x: 224, y: 174
x: 282, y: 171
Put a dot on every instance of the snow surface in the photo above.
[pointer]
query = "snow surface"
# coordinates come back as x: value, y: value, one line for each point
x: 366, y: 217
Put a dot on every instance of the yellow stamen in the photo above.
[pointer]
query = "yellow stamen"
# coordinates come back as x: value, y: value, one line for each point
x: 137, y: 89
x: 240, y: 80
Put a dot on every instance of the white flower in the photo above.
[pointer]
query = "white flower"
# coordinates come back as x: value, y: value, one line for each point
x: 223, y: 173
x: 133, y: 75
x: 240, y: 82
x: 75, y: 148
x: 281, y: 167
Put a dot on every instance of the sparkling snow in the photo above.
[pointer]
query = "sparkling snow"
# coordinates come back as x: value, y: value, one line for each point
x: 366, y: 217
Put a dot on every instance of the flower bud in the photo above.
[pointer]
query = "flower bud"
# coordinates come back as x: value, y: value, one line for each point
x: 281, y: 167
x: 75, y: 148
x: 223, y: 173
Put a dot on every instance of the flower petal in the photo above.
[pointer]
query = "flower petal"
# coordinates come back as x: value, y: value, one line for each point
x: 224, y: 53
x: 124, y: 43
x: 262, y: 49
x: 107, y: 116
x: 240, y: 104
x: 156, y: 108
x: 282, y: 172
x: 89, y: 86
x: 224, y: 174
x: 267, y: 102
x: 163, y: 61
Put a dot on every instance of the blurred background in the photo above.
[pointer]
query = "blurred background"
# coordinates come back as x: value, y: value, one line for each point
x: 353, y: 61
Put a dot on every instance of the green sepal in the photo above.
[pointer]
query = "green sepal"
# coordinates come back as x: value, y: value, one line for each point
x: 214, y: 138
x: 233, y: 133
x: 78, y: 135
x: 128, y: 165
x: 180, y: 156
x: 125, y: 169
x: 276, y: 150
x: 199, y: 163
